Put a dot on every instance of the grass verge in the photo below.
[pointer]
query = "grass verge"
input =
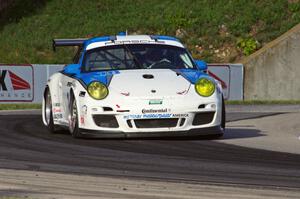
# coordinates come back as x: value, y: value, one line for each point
x: 19, y: 106
x: 216, y: 31
x: 264, y: 102
x: 14, y: 197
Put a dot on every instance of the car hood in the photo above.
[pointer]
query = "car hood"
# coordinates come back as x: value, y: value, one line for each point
x: 146, y: 82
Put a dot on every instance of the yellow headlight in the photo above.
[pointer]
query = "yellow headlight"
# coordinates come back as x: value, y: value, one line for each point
x: 205, y: 87
x: 97, y: 90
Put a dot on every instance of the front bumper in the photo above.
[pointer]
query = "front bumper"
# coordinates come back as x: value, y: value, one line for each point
x: 136, y: 117
x: 215, y: 130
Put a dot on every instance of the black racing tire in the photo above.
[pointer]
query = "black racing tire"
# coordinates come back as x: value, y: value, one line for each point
x: 223, y: 121
x: 48, y: 113
x: 74, y: 120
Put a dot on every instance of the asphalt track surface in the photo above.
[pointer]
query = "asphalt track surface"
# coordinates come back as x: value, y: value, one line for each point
x: 25, y: 144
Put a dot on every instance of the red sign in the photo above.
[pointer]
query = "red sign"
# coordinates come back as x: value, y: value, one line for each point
x: 222, y: 74
x: 16, y: 83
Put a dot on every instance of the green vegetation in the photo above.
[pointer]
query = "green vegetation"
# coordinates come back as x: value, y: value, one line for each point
x: 14, y: 197
x: 19, y: 106
x: 211, y: 29
x: 264, y: 102
x: 248, y: 46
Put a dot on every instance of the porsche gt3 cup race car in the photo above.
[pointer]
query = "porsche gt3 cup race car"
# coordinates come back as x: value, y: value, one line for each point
x: 133, y: 86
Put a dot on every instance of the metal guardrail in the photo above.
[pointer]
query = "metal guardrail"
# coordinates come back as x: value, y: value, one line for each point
x: 26, y: 83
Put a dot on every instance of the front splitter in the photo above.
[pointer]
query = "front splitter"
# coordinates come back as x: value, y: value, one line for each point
x: 215, y: 130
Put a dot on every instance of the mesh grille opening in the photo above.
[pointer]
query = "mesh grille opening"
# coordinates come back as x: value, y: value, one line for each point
x: 107, y: 121
x: 156, y: 123
x: 203, y: 118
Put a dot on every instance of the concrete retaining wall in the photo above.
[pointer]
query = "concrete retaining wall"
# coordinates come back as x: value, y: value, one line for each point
x: 273, y: 72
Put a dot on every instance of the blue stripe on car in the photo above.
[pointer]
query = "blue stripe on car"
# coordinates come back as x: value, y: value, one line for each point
x: 191, y: 75
x: 73, y: 70
x: 104, y: 77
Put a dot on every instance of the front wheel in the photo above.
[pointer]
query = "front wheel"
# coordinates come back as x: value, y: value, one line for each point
x: 48, y: 114
x: 223, y: 120
x: 73, y: 118
x: 223, y: 123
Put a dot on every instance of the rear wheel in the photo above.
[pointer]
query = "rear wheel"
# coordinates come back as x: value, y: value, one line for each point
x: 48, y: 114
x: 73, y: 121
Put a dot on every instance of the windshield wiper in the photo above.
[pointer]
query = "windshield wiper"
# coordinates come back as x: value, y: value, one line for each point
x: 136, y: 61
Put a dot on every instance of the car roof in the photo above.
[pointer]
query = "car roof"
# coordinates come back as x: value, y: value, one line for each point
x: 97, y: 42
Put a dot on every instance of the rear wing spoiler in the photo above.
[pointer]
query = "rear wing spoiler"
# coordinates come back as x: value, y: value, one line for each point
x: 67, y: 42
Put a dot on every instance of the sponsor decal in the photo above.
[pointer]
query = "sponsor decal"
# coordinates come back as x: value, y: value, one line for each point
x: 57, y: 104
x: 155, y: 116
x: 56, y: 110
x: 181, y: 115
x: 57, y: 116
x: 155, y: 101
x: 148, y: 116
x: 162, y: 110
x: 116, y: 42
x: 84, y: 110
x: 83, y: 114
x: 82, y: 120
x: 16, y: 83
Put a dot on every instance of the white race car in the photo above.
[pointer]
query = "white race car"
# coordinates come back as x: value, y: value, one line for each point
x: 133, y: 86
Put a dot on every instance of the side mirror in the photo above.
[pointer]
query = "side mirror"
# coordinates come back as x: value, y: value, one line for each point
x: 72, y: 69
x: 202, y: 65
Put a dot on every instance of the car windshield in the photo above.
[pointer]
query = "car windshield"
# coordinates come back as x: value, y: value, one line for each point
x: 137, y: 56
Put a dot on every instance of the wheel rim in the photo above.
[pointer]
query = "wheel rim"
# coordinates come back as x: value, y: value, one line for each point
x: 73, y: 120
x: 48, y: 108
